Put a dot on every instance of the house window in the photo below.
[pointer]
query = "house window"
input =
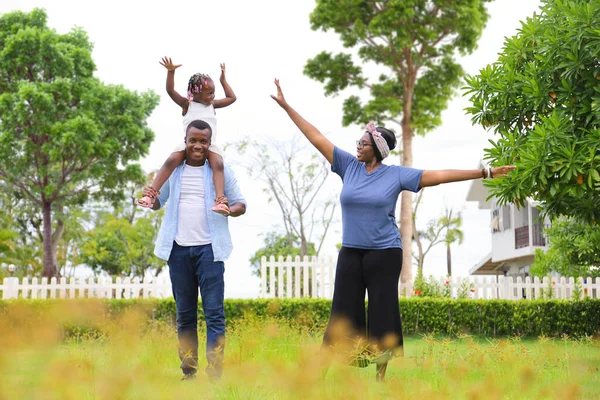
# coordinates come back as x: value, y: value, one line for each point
x: 495, y: 222
x: 521, y: 217
x: 521, y: 227
x: 537, y: 228
x: 506, y: 217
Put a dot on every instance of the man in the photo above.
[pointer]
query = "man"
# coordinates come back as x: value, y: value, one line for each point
x: 196, y: 242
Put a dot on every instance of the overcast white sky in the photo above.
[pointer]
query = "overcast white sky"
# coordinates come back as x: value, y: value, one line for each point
x: 259, y: 40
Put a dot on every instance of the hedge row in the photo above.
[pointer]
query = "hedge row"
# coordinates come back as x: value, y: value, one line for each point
x: 489, y: 318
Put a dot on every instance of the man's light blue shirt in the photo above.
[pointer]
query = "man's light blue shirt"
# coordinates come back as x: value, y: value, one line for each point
x: 217, y: 223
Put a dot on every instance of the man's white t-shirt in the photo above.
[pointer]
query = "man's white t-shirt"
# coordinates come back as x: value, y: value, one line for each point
x: 192, y: 226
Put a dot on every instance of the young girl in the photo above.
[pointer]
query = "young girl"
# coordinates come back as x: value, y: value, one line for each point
x: 199, y: 104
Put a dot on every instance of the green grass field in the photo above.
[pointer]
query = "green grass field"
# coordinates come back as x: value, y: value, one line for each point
x: 134, y: 359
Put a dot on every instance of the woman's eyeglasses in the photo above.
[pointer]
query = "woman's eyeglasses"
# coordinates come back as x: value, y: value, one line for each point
x: 361, y: 145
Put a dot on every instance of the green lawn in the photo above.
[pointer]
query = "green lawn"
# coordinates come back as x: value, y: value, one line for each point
x: 269, y: 360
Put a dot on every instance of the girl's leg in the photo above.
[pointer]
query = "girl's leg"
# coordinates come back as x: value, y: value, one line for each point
x: 216, y: 164
x: 347, y: 324
x: 162, y: 175
x: 382, y: 272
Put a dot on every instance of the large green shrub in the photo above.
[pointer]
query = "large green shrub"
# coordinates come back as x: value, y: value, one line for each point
x: 487, y: 318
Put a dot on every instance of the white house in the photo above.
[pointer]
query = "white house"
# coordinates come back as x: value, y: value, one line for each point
x: 516, y: 234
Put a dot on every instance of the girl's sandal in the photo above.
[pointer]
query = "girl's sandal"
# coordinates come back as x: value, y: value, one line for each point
x: 221, y: 206
x: 146, y: 202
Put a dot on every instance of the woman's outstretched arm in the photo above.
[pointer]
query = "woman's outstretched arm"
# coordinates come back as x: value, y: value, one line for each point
x: 436, y: 177
x: 313, y: 135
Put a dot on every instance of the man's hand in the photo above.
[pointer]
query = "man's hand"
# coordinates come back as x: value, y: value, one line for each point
x: 151, y: 192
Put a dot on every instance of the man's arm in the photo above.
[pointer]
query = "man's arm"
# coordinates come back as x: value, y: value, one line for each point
x: 160, y: 197
x: 237, y: 209
x: 237, y: 203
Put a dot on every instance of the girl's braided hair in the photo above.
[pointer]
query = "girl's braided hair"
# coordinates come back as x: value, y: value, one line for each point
x: 195, y: 84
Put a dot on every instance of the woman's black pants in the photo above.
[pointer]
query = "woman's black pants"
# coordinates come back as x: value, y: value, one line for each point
x: 375, y: 272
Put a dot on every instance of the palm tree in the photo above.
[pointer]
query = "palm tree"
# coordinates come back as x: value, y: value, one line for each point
x: 451, y: 225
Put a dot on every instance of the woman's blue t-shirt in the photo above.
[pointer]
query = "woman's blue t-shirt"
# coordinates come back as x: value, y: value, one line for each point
x: 369, y: 201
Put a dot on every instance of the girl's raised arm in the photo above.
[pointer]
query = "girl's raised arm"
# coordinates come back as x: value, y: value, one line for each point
x: 229, y: 95
x: 176, y: 97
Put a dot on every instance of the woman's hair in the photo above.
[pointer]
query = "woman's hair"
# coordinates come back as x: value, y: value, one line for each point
x: 390, y: 138
x: 195, y: 84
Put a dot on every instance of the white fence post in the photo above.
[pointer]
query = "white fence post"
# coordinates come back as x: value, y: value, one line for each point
x: 297, y: 268
x: 263, y: 276
x: 10, y: 288
x: 313, y: 277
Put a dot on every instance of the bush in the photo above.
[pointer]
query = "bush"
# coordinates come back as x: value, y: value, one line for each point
x: 486, y: 318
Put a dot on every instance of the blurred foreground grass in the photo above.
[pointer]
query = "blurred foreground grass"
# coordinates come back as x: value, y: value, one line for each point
x: 131, y: 357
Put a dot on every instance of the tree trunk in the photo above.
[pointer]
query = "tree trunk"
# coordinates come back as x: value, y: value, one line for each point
x: 303, y: 245
x: 133, y: 207
x: 49, y: 265
x: 406, y: 210
x: 57, y: 236
x: 406, y: 228
x: 421, y: 256
x: 449, y: 259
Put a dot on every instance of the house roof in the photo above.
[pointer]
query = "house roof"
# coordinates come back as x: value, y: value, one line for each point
x: 479, y: 193
x: 487, y: 267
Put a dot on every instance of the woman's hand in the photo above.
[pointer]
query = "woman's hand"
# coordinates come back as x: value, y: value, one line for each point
x: 168, y: 64
x: 500, y: 172
x: 279, y: 98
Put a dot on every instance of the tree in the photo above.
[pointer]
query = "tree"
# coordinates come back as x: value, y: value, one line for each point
x: 278, y: 245
x: 120, y: 247
x: 444, y: 229
x: 294, y: 183
x: 574, y: 250
x: 415, y: 43
x: 7, y: 244
x: 64, y: 135
x: 541, y: 98
x: 432, y: 234
x: 20, y: 222
x: 451, y: 224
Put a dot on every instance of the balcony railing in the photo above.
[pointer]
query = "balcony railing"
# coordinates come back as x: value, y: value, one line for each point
x: 522, y: 236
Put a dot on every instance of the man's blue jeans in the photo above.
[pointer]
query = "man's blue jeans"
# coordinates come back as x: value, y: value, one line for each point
x: 191, y: 268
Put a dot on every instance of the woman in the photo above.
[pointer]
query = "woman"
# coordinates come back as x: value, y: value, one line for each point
x: 370, y: 259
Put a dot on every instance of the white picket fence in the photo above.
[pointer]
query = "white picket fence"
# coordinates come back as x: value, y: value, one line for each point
x: 120, y: 288
x: 314, y: 277
x: 295, y: 278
